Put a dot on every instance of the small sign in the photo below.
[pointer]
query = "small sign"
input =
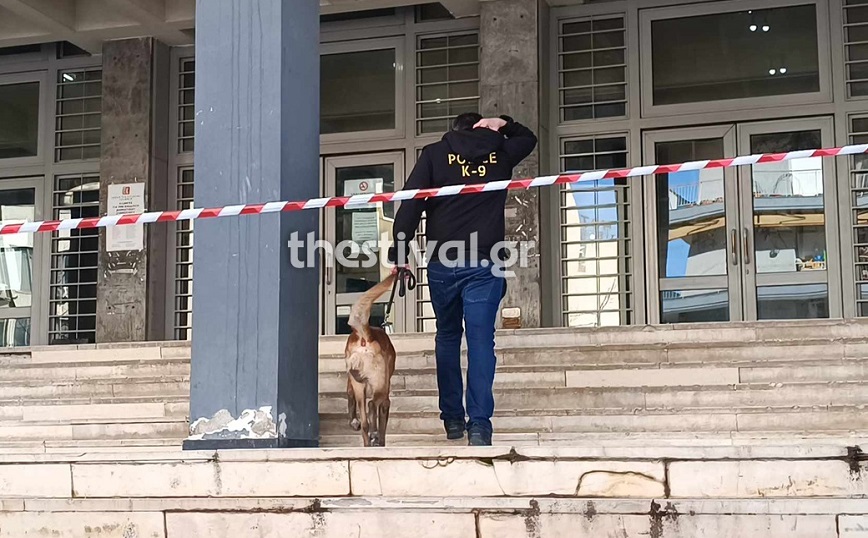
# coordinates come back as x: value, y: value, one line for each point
x: 125, y: 199
x: 363, y: 186
x: 366, y: 228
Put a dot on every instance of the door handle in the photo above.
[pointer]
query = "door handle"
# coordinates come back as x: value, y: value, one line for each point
x: 733, y: 251
x: 328, y: 269
x: 746, y: 242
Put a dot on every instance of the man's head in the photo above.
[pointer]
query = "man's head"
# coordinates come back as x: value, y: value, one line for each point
x: 466, y: 121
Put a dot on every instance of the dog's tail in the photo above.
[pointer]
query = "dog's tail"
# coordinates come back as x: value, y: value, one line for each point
x: 360, y: 315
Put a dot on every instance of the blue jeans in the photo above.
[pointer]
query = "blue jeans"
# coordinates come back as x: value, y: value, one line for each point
x: 470, y: 295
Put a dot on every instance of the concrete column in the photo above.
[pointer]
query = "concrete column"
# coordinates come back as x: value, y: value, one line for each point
x: 131, y: 283
x: 255, y: 344
x: 509, y: 72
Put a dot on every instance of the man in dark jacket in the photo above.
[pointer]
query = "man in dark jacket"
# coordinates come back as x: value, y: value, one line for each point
x: 465, y: 236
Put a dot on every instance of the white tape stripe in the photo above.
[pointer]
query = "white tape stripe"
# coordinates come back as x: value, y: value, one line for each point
x: 273, y: 207
x: 593, y: 176
x: 405, y: 195
x: 643, y: 171
x: 111, y: 220
x: 450, y: 190
x: 190, y: 214
x: 853, y: 150
x: 747, y: 159
x: 316, y: 202
x: 228, y: 211
x: 801, y: 154
x: 152, y: 216
x: 359, y: 199
x: 496, y: 185
x: 694, y: 165
x: 70, y: 224
x: 544, y: 181
x: 30, y: 227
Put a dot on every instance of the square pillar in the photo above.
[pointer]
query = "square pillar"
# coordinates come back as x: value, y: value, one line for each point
x: 255, y: 332
x: 131, y: 281
x: 509, y: 84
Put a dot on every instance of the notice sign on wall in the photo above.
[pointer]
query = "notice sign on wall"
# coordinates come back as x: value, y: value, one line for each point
x: 363, y: 186
x: 124, y: 199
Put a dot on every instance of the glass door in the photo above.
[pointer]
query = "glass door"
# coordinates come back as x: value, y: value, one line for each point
x: 19, y: 254
x: 360, y: 237
x: 692, y: 216
x: 789, y: 223
x: 742, y: 244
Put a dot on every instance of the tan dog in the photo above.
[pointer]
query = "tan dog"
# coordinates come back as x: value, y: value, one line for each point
x: 370, y: 358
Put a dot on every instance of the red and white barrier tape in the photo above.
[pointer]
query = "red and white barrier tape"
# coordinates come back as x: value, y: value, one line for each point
x: 451, y: 190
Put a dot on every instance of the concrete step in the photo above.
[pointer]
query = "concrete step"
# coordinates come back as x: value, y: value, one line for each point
x: 851, y: 418
x: 166, y: 428
x: 144, y: 386
x: 721, y: 354
x: 628, y: 400
x: 50, y: 373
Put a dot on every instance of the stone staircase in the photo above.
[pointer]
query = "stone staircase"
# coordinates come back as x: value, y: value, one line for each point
x: 712, y: 384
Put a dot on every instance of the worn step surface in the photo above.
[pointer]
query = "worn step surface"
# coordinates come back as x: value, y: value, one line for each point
x: 552, y: 386
x: 811, y: 490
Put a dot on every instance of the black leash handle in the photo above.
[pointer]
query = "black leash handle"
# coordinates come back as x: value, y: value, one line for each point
x: 401, y: 286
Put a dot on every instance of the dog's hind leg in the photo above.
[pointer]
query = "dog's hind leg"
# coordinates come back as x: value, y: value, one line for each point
x: 373, y: 418
x: 352, y: 408
x: 362, y: 410
x: 383, y: 407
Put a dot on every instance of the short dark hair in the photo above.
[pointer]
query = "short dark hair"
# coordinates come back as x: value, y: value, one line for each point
x: 466, y: 121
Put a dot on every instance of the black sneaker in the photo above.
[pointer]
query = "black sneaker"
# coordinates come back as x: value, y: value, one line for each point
x: 478, y: 436
x: 454, y: 429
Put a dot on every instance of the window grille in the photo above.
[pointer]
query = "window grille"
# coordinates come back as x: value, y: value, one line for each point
x: 595, y: 236
x: 856, y: 47
x: 592, y: 68
x: 77, y: 124
x: 447, y: 80
x: 74, y: 262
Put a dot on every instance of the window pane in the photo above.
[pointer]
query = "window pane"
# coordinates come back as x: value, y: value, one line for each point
x: 788, y: 205
x: 735, y: 55
x: 692, y: 306
x: 16, y: 251
x: 691, y: 216
x: 19, y: 120
x: 357, y: 91
x: 806, y: 301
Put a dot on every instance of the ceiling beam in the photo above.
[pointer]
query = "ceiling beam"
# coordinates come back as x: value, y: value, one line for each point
x: 151, y: 14
x: 57, y: 17
x: 462, y: 8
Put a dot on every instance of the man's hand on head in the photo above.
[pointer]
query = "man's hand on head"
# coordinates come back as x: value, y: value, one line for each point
x: 495, y: 124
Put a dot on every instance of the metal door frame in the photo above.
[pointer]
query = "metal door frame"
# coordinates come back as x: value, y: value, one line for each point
x: 752, y: 280
x: 41, y: 256
x: 654, y: 283
x: 330, y: 300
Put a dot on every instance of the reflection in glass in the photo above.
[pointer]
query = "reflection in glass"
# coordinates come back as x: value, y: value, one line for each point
x: 19, y: 120
x: 788, y: 205
x: 363, y: 231
x: 357, y: 91
x: 805, y: 301
x: 16, y: 251
x: 736, y: 55
x: 692, y: 306
x: 691, y: 216
x: 14, y: 332
x: 595, y: 237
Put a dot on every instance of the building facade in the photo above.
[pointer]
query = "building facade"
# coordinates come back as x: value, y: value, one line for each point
x: 86, y: 102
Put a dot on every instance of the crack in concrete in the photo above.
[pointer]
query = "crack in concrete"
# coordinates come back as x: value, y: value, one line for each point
x: 617, y: 473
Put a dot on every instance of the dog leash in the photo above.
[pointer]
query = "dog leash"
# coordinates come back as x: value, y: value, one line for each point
x: 401, y: 286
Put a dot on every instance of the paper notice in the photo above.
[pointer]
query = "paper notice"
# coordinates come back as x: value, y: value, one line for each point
x: 125, y: 199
